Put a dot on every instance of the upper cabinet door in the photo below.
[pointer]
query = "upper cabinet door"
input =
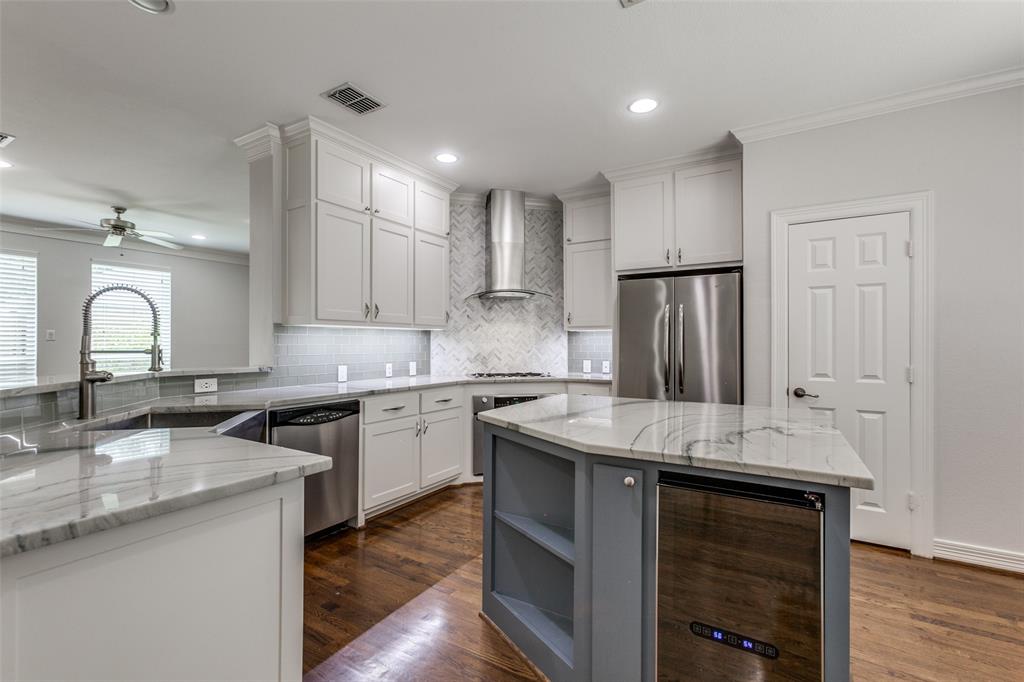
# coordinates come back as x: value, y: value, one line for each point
x: 589, y: 220
x: 392, y: 273
x: 643, y: 219
x: 588, y: 285
x: 393, y: 195
x: 431, y: 290
x: 431, y: 209
x: 709, y: 220
x: 342, y: 176
x: 342, y: 264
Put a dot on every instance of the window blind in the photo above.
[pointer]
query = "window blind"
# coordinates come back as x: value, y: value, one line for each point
x: 17, y: 317
x: 121, y: 320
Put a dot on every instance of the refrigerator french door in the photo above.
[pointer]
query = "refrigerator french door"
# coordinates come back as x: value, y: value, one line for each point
x: 680, y: 338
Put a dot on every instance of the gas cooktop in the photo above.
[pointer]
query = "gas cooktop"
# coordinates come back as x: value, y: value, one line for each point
x: 503, y: 375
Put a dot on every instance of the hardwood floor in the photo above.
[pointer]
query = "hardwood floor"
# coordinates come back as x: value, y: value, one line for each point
x: 400, y: 601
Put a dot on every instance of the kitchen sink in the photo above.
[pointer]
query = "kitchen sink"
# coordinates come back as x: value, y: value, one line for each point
x: 249, y: 425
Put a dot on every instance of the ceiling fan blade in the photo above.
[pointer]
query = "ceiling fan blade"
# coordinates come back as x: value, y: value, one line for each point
x: 160, y: 242
x: 155, y: 233
x: 112, y: 240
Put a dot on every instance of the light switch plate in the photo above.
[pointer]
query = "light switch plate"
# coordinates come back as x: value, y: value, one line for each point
x: 606, y: 367
x: 586, y: 367
x: 342, y: 373
x: 412, y: 368
x: 206, y: 385
x: 388, y: 371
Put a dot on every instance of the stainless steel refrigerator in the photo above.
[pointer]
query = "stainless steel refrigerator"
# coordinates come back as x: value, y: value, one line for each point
x: 680, y: 338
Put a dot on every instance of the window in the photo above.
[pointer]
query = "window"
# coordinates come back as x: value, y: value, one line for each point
x: 122, y: 321
x: 17, y: 317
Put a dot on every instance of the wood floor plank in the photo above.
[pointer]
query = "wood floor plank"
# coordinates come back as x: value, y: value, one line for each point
x: 400, y: 601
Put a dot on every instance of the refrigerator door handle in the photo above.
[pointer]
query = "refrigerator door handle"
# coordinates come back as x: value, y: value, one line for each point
x: 668, y: 360
x: 681, y: 349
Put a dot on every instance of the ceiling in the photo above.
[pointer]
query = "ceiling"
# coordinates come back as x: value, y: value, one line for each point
x: 114, y: 105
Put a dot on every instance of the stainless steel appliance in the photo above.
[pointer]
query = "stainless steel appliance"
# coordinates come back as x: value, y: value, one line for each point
x: 505, y: 266
x: 332, y: 496
x: 491, y: 402
x: 501, y: 375
x: 739, y: 581
x: 680, y: 338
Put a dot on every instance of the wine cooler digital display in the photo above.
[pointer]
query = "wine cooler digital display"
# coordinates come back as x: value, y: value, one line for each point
x: 734, y: 640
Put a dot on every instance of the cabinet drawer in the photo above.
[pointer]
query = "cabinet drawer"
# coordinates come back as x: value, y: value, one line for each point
x: 440, y: 399
x: 589, y: 389
x: 390, y: 406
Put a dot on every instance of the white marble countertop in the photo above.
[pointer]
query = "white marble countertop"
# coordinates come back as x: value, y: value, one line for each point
x: 794, y: 444
x: 79, y: 482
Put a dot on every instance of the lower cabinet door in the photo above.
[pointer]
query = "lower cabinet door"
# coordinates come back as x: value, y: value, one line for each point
x: 617, y: 573
x: 441, y: 447
x: 390, y: 460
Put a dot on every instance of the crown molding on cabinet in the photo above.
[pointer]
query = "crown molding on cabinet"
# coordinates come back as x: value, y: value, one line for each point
x: 976, y: 85
x: 532, y: 201
x: 585, y: 192
x: 699, y: 157
x: 259, y: 143
x: 468, y: 198
x: 312, y: 124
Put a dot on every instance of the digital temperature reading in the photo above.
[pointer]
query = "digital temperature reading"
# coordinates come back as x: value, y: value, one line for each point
x: 734, y: 640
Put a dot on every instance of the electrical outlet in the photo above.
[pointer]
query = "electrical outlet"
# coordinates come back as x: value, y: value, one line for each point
x: 586, y: 366
x: 342, y: 373
x: 206, y: 385
x: 388, y: 370
x: 606, y: 367
x: 51, y: 334
x: 412, y: 368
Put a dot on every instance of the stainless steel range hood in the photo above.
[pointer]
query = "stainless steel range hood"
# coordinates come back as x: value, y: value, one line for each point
x: 506, y: 246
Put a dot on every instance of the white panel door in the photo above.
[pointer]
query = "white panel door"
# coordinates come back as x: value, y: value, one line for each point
x: 441, y: 447
x: 342, y: 264
x: 849, y: 348
x: 392, y: 273
x: 342, y: 176
x: 430, y: 295
x: 588, y: 285
x: 709, y: 214
x: 431, y: 209
x: 393, y: 195
x: 391, y: 455
x: 643, y: 222
x: 588, y: 220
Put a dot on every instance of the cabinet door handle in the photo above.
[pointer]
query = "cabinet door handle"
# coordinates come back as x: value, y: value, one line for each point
x: 376, y: 311
x: 629, y: 482
x: 366, y: 310
x: 668, y: 258
x: 425, y: 425
x: 366, y: 208
x: 376, y: 210
x: 569, y: 319
x: 679, y: 254
x: 568, y: 239
x: 417, y: 428
x: 393, y: 409
x: 447, y: 316
x: 443, y: 400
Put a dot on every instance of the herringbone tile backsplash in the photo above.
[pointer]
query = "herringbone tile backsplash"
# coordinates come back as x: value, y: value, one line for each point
x: 503, y: 335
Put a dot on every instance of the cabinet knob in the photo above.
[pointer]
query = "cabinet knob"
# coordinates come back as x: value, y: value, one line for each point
x: 629, y: 482
x: 568, y: 239
x: 366, y: 208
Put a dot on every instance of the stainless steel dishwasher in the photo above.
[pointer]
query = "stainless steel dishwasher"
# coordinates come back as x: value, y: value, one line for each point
x: 332, y: 496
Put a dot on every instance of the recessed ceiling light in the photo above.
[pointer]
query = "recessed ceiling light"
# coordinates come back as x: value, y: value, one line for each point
x: 153, y: 6
x: 643, y: 106
x: 200, y: 237
x: 5, y: 164
x: 446, y: 157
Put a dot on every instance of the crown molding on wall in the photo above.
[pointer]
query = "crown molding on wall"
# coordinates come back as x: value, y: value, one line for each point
x: 977, y: 85
x: 707, y: 155
x: 312, y: 124
x: 45, y: 231
x: 532, y: 200
x: 586, y: 192
x: 259, y: 143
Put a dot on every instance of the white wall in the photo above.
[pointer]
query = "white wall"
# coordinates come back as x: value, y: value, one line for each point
x: 209, y: 302
x: 970, y: 152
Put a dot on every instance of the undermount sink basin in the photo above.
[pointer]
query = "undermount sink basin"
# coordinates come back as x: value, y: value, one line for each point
x: 165, y: 420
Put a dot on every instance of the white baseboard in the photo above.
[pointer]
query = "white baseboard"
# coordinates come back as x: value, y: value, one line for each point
x: 982, y: 556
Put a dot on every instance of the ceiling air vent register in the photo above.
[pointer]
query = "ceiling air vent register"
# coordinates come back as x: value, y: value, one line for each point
x: 353, y: 99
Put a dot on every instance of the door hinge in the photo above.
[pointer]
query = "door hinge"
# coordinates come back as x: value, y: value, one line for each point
x: 910, y: 249
x: 912, y: 501
x: 910, y: 374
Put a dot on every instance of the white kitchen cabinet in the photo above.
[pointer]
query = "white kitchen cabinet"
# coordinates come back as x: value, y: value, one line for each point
x: 431, y: 279
x: 441, y: 446
x: 342, y: 264
x: 342, y: 176
x: 392, y: 273
x: 588, y: 285
x: 390, y: 460
x: 393, y: 195
x: 587, y: 220
x: 432, y: 209
x: 644, y: 214
x: 709, y: 221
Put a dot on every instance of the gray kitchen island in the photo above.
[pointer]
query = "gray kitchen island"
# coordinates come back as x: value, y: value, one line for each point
x: 631, y: 539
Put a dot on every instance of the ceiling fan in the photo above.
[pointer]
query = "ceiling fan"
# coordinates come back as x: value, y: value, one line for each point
x: 118, y: 228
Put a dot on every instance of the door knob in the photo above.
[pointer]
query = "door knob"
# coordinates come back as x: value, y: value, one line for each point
x: 799, y: 392
x: 629, y: 481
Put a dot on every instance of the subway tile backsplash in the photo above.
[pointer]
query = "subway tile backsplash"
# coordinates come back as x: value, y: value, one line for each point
x: 307, y: 355
x: 593, y: 346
